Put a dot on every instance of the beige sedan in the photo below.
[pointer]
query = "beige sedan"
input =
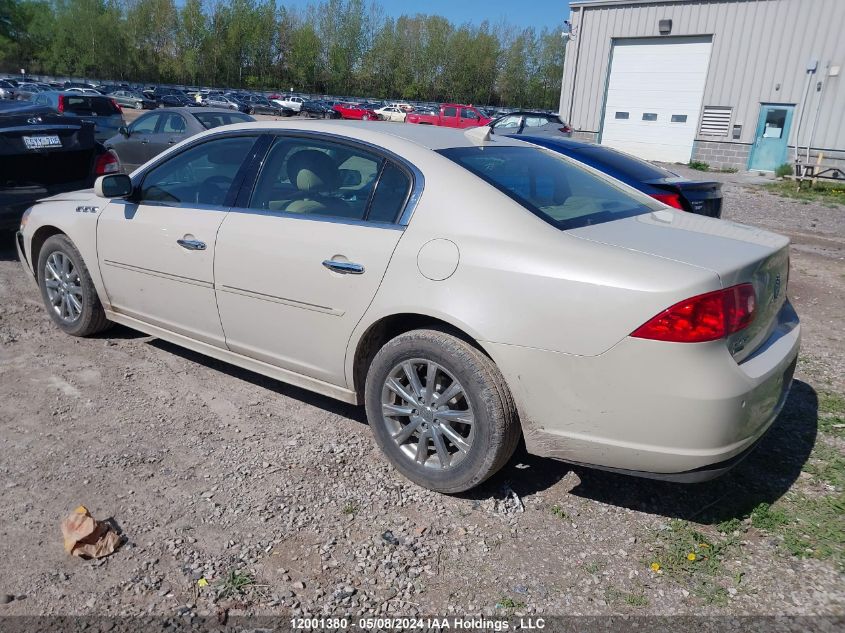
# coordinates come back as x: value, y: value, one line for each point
x: 472, y: 291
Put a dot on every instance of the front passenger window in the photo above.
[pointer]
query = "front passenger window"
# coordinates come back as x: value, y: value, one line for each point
x: 202, y: 174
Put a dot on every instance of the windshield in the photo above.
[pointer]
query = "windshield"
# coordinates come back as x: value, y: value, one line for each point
x: 550, y: 186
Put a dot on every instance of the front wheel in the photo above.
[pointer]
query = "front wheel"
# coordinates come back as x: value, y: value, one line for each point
x: 440, y: 410
x: 67, y: 290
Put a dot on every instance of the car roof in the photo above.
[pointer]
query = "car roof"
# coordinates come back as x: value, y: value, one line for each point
x: 428, y: 136
x: 196, y: 110
x: 558, y: 141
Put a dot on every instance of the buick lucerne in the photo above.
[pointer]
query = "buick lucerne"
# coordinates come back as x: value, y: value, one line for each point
x: 471, y: 291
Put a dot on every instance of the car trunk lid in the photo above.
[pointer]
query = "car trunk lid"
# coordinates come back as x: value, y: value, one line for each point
x: 735, y: 252
x: 40, y: 148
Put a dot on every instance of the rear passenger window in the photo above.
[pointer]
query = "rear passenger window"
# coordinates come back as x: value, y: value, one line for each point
x: 173, y: 124
x: 314, y: 177
x: 390, y: 196
x: 450, y: 111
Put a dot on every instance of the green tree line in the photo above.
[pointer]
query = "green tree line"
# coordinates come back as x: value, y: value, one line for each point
x: 343, y: 47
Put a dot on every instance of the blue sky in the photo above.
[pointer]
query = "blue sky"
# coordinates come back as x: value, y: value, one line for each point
x: 521, y: 13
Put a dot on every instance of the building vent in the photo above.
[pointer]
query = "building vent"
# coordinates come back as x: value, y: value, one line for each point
x: 715, y: 121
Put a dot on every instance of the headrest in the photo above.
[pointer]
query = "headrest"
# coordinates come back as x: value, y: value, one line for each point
x: 312, y: 170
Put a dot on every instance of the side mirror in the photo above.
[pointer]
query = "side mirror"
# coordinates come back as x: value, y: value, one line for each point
x: 113, y: 186
x: 124, y: 131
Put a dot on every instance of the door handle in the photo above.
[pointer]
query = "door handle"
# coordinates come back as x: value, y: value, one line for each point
x: 347, y: 268
x: 191, y: 245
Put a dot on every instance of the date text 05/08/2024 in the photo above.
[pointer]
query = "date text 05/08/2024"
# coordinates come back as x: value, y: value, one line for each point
x: 433, y: 623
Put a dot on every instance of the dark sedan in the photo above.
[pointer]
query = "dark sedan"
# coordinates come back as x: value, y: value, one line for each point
x: 43, y: 153
x: 152, y: 133
x: 695, y: 196
x: 320, y: 109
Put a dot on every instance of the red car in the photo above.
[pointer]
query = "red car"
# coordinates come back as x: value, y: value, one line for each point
x: 355, y: 111
x: 451, y: 115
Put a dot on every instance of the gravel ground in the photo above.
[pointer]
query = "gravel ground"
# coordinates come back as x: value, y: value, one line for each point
x: 215, y: 473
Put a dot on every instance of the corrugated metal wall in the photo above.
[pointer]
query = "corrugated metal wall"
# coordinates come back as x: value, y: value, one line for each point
x: 758, y: 45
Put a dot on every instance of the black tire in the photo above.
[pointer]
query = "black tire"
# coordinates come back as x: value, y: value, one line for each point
x: 92, y: 318
x: 496, y: 422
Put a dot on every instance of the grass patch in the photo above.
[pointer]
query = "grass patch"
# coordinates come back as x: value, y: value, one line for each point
x: 632, y: 599
x: 699, y: 165
x: 832, y: 414
x: 694, y: 560
x: 727, y: 170
x: 827, y: 465
x: 826, y: 192
x: 235, y: 583
x: 557, y: 511
x: 350, y: 508
x: 730, y: 526
x: 684, y: 551
x: 594, y: 567
x: 765, y: 517
x: 784, y: 170
x: 510, y: 604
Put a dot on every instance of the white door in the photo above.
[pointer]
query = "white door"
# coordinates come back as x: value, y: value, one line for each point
x: 156, y: 251
x: 297, y: 269
x: 654, y: 96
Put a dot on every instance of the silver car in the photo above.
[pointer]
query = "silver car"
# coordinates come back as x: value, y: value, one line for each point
x: 471, y: 291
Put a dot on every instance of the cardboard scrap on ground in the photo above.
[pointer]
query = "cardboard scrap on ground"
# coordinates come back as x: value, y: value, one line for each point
x: 86, y: 537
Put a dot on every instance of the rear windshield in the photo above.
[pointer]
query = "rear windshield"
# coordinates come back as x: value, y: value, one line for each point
x: 550, y: 186
x: 101, y: 106
x: 216, y: 119
x: 623, y: 163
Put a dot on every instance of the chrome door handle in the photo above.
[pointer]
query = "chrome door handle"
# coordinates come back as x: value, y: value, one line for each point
x: 347, y: 268
x: 191, y: 245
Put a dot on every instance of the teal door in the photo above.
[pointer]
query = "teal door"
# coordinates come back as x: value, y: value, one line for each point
x: 770, y: 150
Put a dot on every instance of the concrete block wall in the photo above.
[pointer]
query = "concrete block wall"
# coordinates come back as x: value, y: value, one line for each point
x: 722, y: 155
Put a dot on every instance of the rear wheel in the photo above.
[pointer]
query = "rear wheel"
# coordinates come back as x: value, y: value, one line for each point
x: 440, y: 410
x: 67, y: 290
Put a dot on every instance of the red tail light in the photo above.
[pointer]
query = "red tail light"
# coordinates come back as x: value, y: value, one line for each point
x: 707, y: 317
x: 61, y: 103
x: 116, y: 106
x: 565, y: 129
x: 106, y: 163
x: 671, y: 199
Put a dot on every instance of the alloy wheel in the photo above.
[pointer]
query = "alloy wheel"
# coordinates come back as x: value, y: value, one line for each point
x: 428, y: 414
x: 64, y: 287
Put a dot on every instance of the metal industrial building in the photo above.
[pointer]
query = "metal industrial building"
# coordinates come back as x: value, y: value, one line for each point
x: 734, y: 83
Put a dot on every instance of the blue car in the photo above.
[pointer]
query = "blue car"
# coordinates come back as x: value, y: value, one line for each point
x: 695, y: 196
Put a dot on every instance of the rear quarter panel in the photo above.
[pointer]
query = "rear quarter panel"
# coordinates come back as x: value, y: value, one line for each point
x: 520, y: 281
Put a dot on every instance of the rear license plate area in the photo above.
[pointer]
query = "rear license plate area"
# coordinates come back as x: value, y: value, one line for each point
x: 42, y: 142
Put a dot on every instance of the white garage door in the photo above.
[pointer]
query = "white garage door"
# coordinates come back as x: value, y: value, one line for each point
x: 654, y: 96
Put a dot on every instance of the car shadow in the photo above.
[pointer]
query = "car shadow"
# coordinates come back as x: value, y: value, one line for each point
x: 764, y: 476
x: 8, y: 252
x: 314, y: 399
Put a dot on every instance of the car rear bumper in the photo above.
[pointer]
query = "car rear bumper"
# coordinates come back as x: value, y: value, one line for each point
x: 686, y: 412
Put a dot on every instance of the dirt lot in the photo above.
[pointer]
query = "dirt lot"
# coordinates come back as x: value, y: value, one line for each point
x: 280, y: 500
